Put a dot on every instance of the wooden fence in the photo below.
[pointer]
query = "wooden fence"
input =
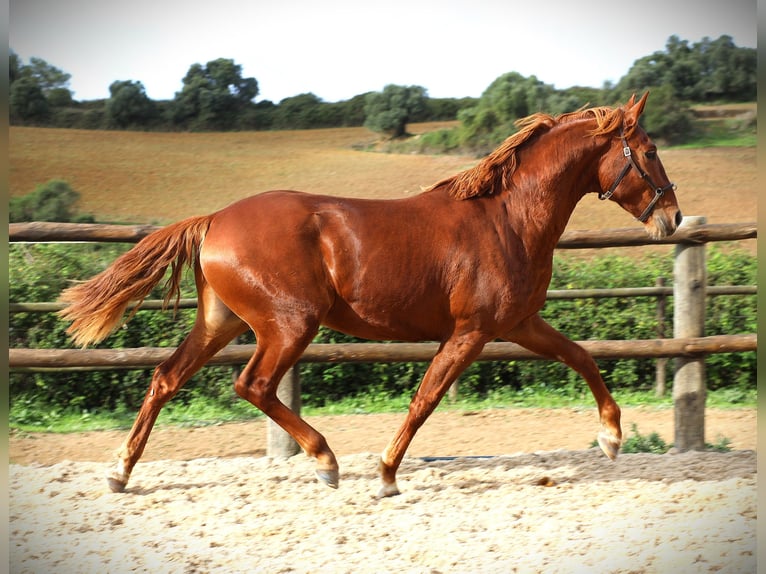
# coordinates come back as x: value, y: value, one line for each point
x: 688, y: 345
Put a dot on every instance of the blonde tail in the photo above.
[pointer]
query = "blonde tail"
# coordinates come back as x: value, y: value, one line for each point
x: 97, y: 306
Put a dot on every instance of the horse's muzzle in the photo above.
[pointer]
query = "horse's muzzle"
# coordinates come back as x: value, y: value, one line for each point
x: 661, y: 224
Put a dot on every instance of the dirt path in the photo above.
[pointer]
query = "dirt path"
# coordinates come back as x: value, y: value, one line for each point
x: 447, y: 433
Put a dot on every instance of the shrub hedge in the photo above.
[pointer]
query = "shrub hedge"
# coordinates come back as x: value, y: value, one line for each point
x: 38, y: 272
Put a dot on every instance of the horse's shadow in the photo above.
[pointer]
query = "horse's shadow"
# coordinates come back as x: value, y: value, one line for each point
x: 149, y: 490
x: 544, y: 469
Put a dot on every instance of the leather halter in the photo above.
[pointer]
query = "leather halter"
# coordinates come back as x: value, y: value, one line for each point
x: 658, y: 191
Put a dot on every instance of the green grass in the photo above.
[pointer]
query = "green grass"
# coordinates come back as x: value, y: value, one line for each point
x: 27, y: 418
x: 723, y: 132
x: 721, y: 140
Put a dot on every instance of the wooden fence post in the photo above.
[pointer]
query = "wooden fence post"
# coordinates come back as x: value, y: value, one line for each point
x: 689, y: 390
x: 279, y: 442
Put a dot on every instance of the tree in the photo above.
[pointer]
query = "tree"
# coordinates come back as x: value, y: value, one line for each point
x: 668, y: 118
x: 48, y: 77
x: 709, y: 70
x: 27, y: 101
x: 508, y: 98
x: 298, y: 112
x: 14, y: 67
x: 392, y: 109
x: 36, y: 88
x: 213, y: 96
x: 728, y: 72
x: 60, y: 98
x: 129, y: 105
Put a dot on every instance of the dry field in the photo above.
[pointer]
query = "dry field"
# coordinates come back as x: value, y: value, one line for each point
x: 162, y: 177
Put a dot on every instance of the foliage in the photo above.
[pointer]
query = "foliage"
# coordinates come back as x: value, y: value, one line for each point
x: 508, y: 98
x: 637, y: 442
x: 128, y: 105
x: 707, y: 71
x: 213, y: 96
x: 46, y: 76
x: 391, y: 110
x: 27, y: 102
x: 726, y: 315
x: 668, y: 119
x: 300, y: 112
x: 51, y: 201
x: 653, y: 443
x: 491, y: 118
x: 35, y: 88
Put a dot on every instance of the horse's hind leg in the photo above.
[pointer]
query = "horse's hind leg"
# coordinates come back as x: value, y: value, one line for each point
x: 275, y: 353
x: 539, y: 337
x: 214, y: 327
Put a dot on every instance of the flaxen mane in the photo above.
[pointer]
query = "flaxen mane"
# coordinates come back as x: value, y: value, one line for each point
x: 494, y: 172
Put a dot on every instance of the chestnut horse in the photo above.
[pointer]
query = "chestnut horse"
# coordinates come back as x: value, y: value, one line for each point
x: 463, y: 263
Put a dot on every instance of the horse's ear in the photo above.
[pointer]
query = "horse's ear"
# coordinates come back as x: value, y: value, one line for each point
x: 634, y: 110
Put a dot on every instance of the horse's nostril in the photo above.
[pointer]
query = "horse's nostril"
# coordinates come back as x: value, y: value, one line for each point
x: 679, y: 218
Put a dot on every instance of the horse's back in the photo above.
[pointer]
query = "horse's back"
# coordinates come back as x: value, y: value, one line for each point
x: 355, y: 263
x: 282, y: 221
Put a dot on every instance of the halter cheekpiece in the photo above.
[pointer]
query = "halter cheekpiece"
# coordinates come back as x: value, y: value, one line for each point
x: 658, y: 191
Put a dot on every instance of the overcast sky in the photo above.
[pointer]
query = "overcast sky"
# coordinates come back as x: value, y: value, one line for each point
x: 341, y: 48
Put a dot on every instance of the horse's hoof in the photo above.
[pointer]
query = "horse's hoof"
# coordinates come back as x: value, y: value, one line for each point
x: 609, y: 443
x: 388, y: 490
x: 117, y: 479
x: 116, y: 485
x: 329, y: 477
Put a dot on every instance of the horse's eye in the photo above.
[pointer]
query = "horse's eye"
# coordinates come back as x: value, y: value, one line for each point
x: 651, y: 154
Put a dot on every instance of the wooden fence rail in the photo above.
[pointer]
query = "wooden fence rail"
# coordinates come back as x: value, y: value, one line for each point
x: 42, y: 232
x: 149, y: 357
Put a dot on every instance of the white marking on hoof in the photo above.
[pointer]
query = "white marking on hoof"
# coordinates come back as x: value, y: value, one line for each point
x: 609, y: 443
x: 330, y: 477
x: 115, y: 485
x: 388, y: 490
x: 117, y: 479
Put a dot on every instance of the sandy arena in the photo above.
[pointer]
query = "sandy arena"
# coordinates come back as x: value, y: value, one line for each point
x: 540, y: 510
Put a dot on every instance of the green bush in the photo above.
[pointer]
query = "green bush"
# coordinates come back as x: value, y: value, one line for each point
x: 39, y: 272
x: 651, y: 443
x: 52, y: 201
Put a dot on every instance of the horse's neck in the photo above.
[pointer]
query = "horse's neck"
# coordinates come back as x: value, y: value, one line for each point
x: 548, y: 192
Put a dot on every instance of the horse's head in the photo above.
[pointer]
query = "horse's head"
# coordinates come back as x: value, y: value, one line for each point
x: 632, y: 174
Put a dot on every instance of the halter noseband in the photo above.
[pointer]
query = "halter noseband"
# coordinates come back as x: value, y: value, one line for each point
x: 658, y: 191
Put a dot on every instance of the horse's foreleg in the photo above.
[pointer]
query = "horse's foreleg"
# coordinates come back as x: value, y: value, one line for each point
x: 451, y: 360
x: 539, y: 337
x: 258, y: 384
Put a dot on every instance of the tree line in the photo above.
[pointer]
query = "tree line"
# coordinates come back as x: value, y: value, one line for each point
x: 213, y: 97
x: 216, y: 97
